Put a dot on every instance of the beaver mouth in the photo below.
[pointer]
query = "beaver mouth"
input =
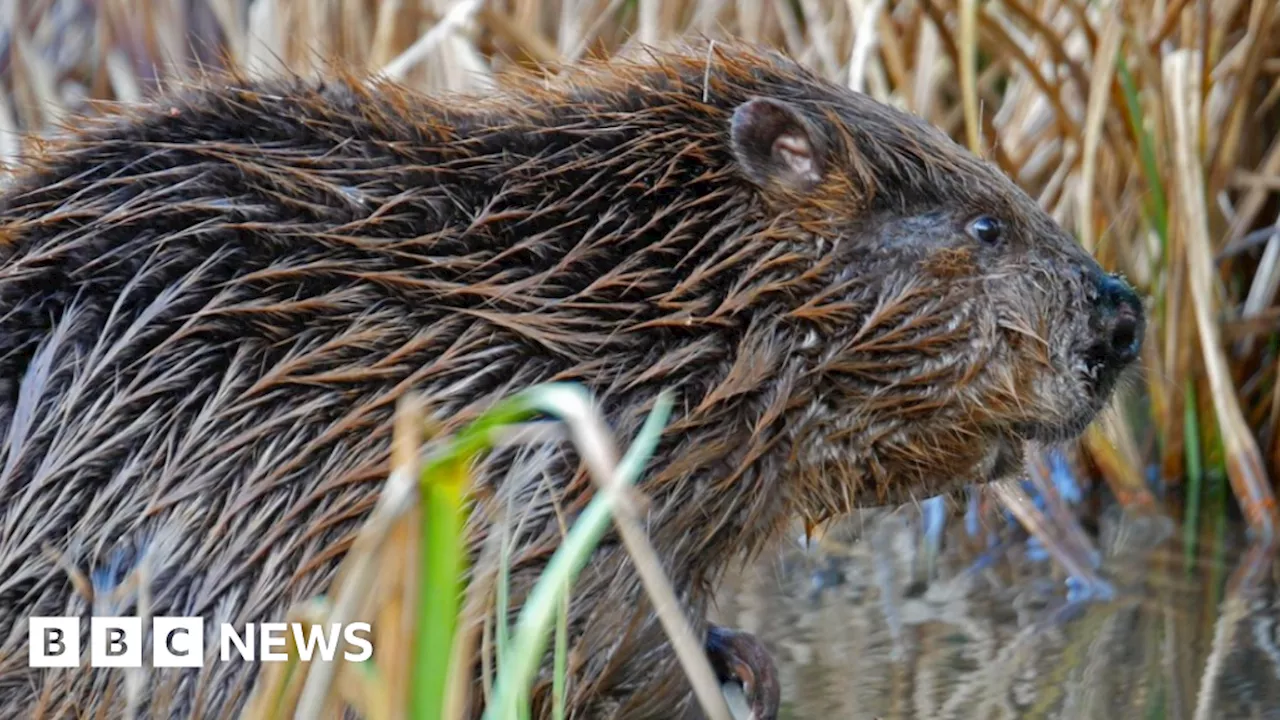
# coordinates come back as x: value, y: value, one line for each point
x: 1097, y: 373
x: 1100, y: 371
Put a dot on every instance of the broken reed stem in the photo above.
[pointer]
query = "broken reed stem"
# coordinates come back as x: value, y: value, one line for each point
x: 594, y: 444
x: 969, y: 74
x: 400, y: 561
x: 460, y: 16
x: 1099, y: 93
x: 1056, y: 541
x: 1244, y: 461
x: 864, y: 42
x: 356, y: 575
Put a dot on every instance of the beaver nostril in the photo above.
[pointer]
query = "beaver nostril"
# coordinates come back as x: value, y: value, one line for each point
x: 1125, y: 341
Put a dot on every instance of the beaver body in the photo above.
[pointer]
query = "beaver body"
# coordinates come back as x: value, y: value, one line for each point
x: 210, y: 306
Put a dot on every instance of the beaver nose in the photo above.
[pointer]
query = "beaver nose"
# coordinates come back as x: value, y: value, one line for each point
x: 1122, y: 321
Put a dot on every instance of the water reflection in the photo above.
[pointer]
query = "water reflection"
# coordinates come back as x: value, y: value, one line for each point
x: 858, y: 630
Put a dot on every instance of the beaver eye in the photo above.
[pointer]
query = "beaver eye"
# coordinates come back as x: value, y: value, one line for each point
x: 985, y: 229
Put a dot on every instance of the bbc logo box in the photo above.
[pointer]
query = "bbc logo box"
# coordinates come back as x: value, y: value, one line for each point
x: 53, y: 642
x: 116, y: 642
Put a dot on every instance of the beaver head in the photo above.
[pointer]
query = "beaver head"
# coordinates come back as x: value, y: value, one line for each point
x: 957, y: 320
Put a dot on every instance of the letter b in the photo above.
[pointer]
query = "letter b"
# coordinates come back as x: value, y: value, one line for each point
x: 115, y: 641
x: 53, y: 642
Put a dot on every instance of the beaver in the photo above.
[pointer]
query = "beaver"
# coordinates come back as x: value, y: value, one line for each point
x: 211, y: 303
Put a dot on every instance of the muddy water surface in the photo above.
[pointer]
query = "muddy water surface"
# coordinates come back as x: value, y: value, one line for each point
x: 861, y: 628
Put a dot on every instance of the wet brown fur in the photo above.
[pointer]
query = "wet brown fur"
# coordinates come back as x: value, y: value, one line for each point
x: 209, y: 306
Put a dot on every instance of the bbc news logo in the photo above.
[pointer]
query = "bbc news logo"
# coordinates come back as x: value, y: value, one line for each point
x: 178, y: 642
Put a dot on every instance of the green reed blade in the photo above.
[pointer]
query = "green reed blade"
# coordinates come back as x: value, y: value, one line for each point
x: 539, y: 611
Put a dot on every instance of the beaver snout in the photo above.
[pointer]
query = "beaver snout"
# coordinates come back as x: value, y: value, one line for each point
x: 1119, y: 323
x: 1122, y: 319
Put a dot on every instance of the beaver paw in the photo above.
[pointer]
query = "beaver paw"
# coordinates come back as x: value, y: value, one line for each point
x: 742, y: 658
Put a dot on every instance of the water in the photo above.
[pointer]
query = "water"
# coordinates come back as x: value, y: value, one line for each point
x: 860, y: 628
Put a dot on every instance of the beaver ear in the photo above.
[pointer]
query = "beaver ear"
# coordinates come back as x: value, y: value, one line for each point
x: 774, y: 143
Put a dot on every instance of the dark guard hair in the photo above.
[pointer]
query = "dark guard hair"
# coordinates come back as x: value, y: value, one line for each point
x: 210, y: 305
